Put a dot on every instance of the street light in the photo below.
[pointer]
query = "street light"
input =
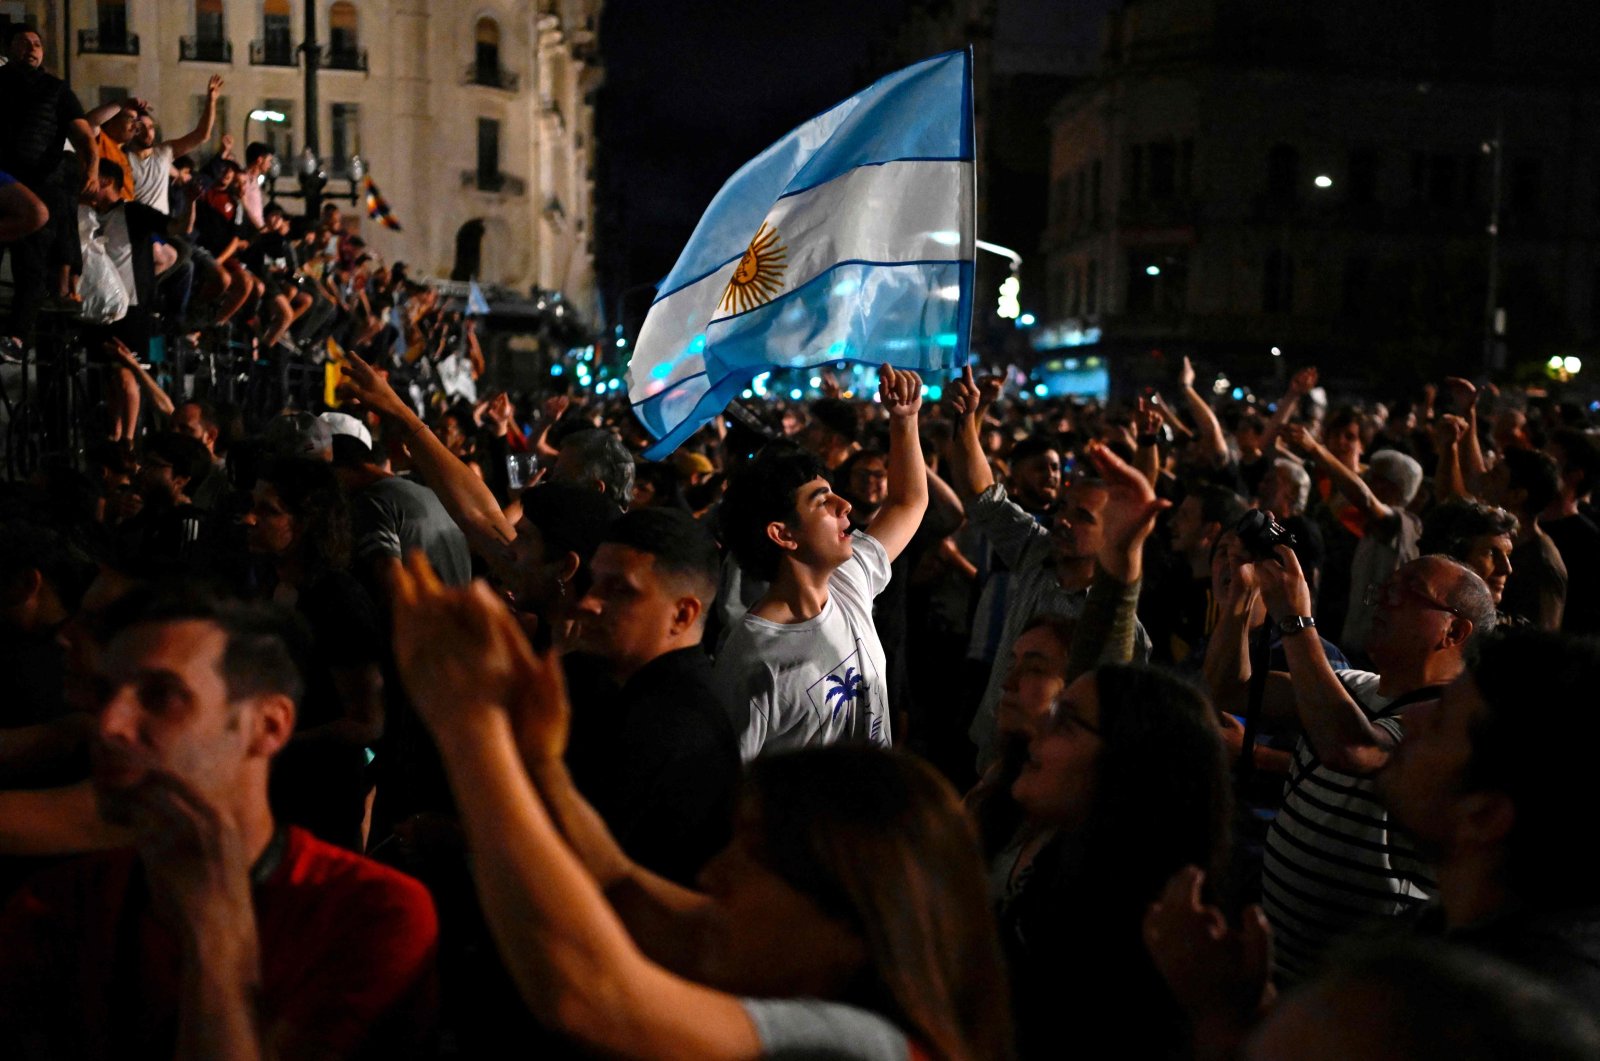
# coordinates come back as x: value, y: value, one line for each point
x: 1323, y: 181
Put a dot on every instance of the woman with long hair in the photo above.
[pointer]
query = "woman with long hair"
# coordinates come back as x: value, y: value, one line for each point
x: 1130, y: 774
x: 846, y: 919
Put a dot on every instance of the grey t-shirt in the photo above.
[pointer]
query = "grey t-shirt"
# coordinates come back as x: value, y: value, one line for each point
x: 150, y: 175
x: 394, y: 516
x: 806, y: 1029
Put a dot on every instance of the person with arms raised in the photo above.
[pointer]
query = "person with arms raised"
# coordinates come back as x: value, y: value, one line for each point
x: 846, y: 919
x: 805, y: 665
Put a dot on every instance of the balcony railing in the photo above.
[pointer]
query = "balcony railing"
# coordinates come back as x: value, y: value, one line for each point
x: 501, y: 183
x: 489, y: 77
x: 344, y: 58
x: 93, y: 42
x: 271, y: 53
x: 205, y: 50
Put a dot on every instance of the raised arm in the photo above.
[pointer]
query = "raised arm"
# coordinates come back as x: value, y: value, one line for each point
x: 107, y: 111
x: 897, y: 521
x: 466, y: 497
x: 1448, y: 481
x: 1339, y: 731
x: 1147, y: 427
x: 1105, y: 630
x: 572, y: 960
x: 664, y: 919
x: 1301, y: 384
x: 1464, y: 396
x: 208, y: 120
x: 969, y: 469
x: 1345, y: 480
x: 1212, y: 441
x: 945, y: 511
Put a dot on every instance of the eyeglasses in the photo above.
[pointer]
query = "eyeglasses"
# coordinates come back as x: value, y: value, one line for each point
x: 1388, y: 594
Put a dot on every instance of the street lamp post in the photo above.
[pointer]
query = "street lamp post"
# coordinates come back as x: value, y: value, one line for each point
x: 1491, y: 316
x: 312, y: 179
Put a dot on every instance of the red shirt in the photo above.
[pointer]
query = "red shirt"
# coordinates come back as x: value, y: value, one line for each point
x: 347, y: 959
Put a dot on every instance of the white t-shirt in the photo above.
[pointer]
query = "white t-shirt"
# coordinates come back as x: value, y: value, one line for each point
x: 151, y: 175
x: 813, y: 682
x: 119, y: 248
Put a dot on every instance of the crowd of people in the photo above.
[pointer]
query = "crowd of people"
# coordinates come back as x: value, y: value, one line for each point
x: 863, y: 727
x: 132, y: 233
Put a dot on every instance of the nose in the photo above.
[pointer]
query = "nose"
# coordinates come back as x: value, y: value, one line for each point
x: 118, y: 719
x: 844, y: 506
x: 588, y: 604
x: 248, y: 519
x: 1502, y: 565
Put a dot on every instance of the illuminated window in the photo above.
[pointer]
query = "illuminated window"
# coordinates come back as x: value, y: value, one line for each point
x: 277, y: 46
x: 343, y: 38
x: 486, y: 52
x: 209, y: 28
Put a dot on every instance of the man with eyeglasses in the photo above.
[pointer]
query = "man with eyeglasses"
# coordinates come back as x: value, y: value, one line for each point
x: 1332, y: 861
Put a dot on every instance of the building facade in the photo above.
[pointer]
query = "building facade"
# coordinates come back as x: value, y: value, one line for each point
x: 1239, y: 177
x: 1026, y: 55
x: 473, y: 117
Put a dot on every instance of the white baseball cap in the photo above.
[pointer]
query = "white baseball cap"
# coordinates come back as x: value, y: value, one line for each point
x: 345, y: 424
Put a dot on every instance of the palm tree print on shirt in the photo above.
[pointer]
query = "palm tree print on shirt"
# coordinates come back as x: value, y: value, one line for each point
x: 844, y: 692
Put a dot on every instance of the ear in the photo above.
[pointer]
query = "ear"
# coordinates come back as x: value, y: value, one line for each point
x: 566, y: 566
x: 686, y: 612
x: 1209, y: 533
x: 779, y: 534
x: 1457, y: 632
x: 1486, y: 819
x: 274, y: 724
x: 25, y: 586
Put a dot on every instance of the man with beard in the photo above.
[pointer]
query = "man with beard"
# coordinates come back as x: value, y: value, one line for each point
x: 221, y: 933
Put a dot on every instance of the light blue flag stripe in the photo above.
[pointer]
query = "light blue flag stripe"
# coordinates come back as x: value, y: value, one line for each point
x: 893, y: 312
x: 886, y: 122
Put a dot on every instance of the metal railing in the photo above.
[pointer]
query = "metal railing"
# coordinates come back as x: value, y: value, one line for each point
x: 490, y: 77
x: 344, y: 58
x: 205, y: 50
x: 272, y: 53
x: 500, y: 183
x: 93, y: 42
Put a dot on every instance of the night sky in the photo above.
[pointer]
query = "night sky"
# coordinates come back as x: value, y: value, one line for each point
x: 693, y: 90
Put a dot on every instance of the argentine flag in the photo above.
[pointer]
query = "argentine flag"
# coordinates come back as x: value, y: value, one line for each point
x: 851, y: 239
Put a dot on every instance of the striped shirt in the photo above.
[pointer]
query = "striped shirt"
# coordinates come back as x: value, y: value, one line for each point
x: 1333, y: 861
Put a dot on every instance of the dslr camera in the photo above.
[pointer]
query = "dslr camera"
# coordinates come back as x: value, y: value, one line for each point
x: 1260, y: 534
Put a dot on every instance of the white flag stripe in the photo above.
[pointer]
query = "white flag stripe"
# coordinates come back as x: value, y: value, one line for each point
x: 896, y: 212
x: 889, y: 213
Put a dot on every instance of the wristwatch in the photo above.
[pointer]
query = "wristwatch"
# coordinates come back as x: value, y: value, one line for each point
x: 1294, y: 624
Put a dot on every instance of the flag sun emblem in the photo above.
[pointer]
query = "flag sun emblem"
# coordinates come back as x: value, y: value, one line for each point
x: 759, y: 274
